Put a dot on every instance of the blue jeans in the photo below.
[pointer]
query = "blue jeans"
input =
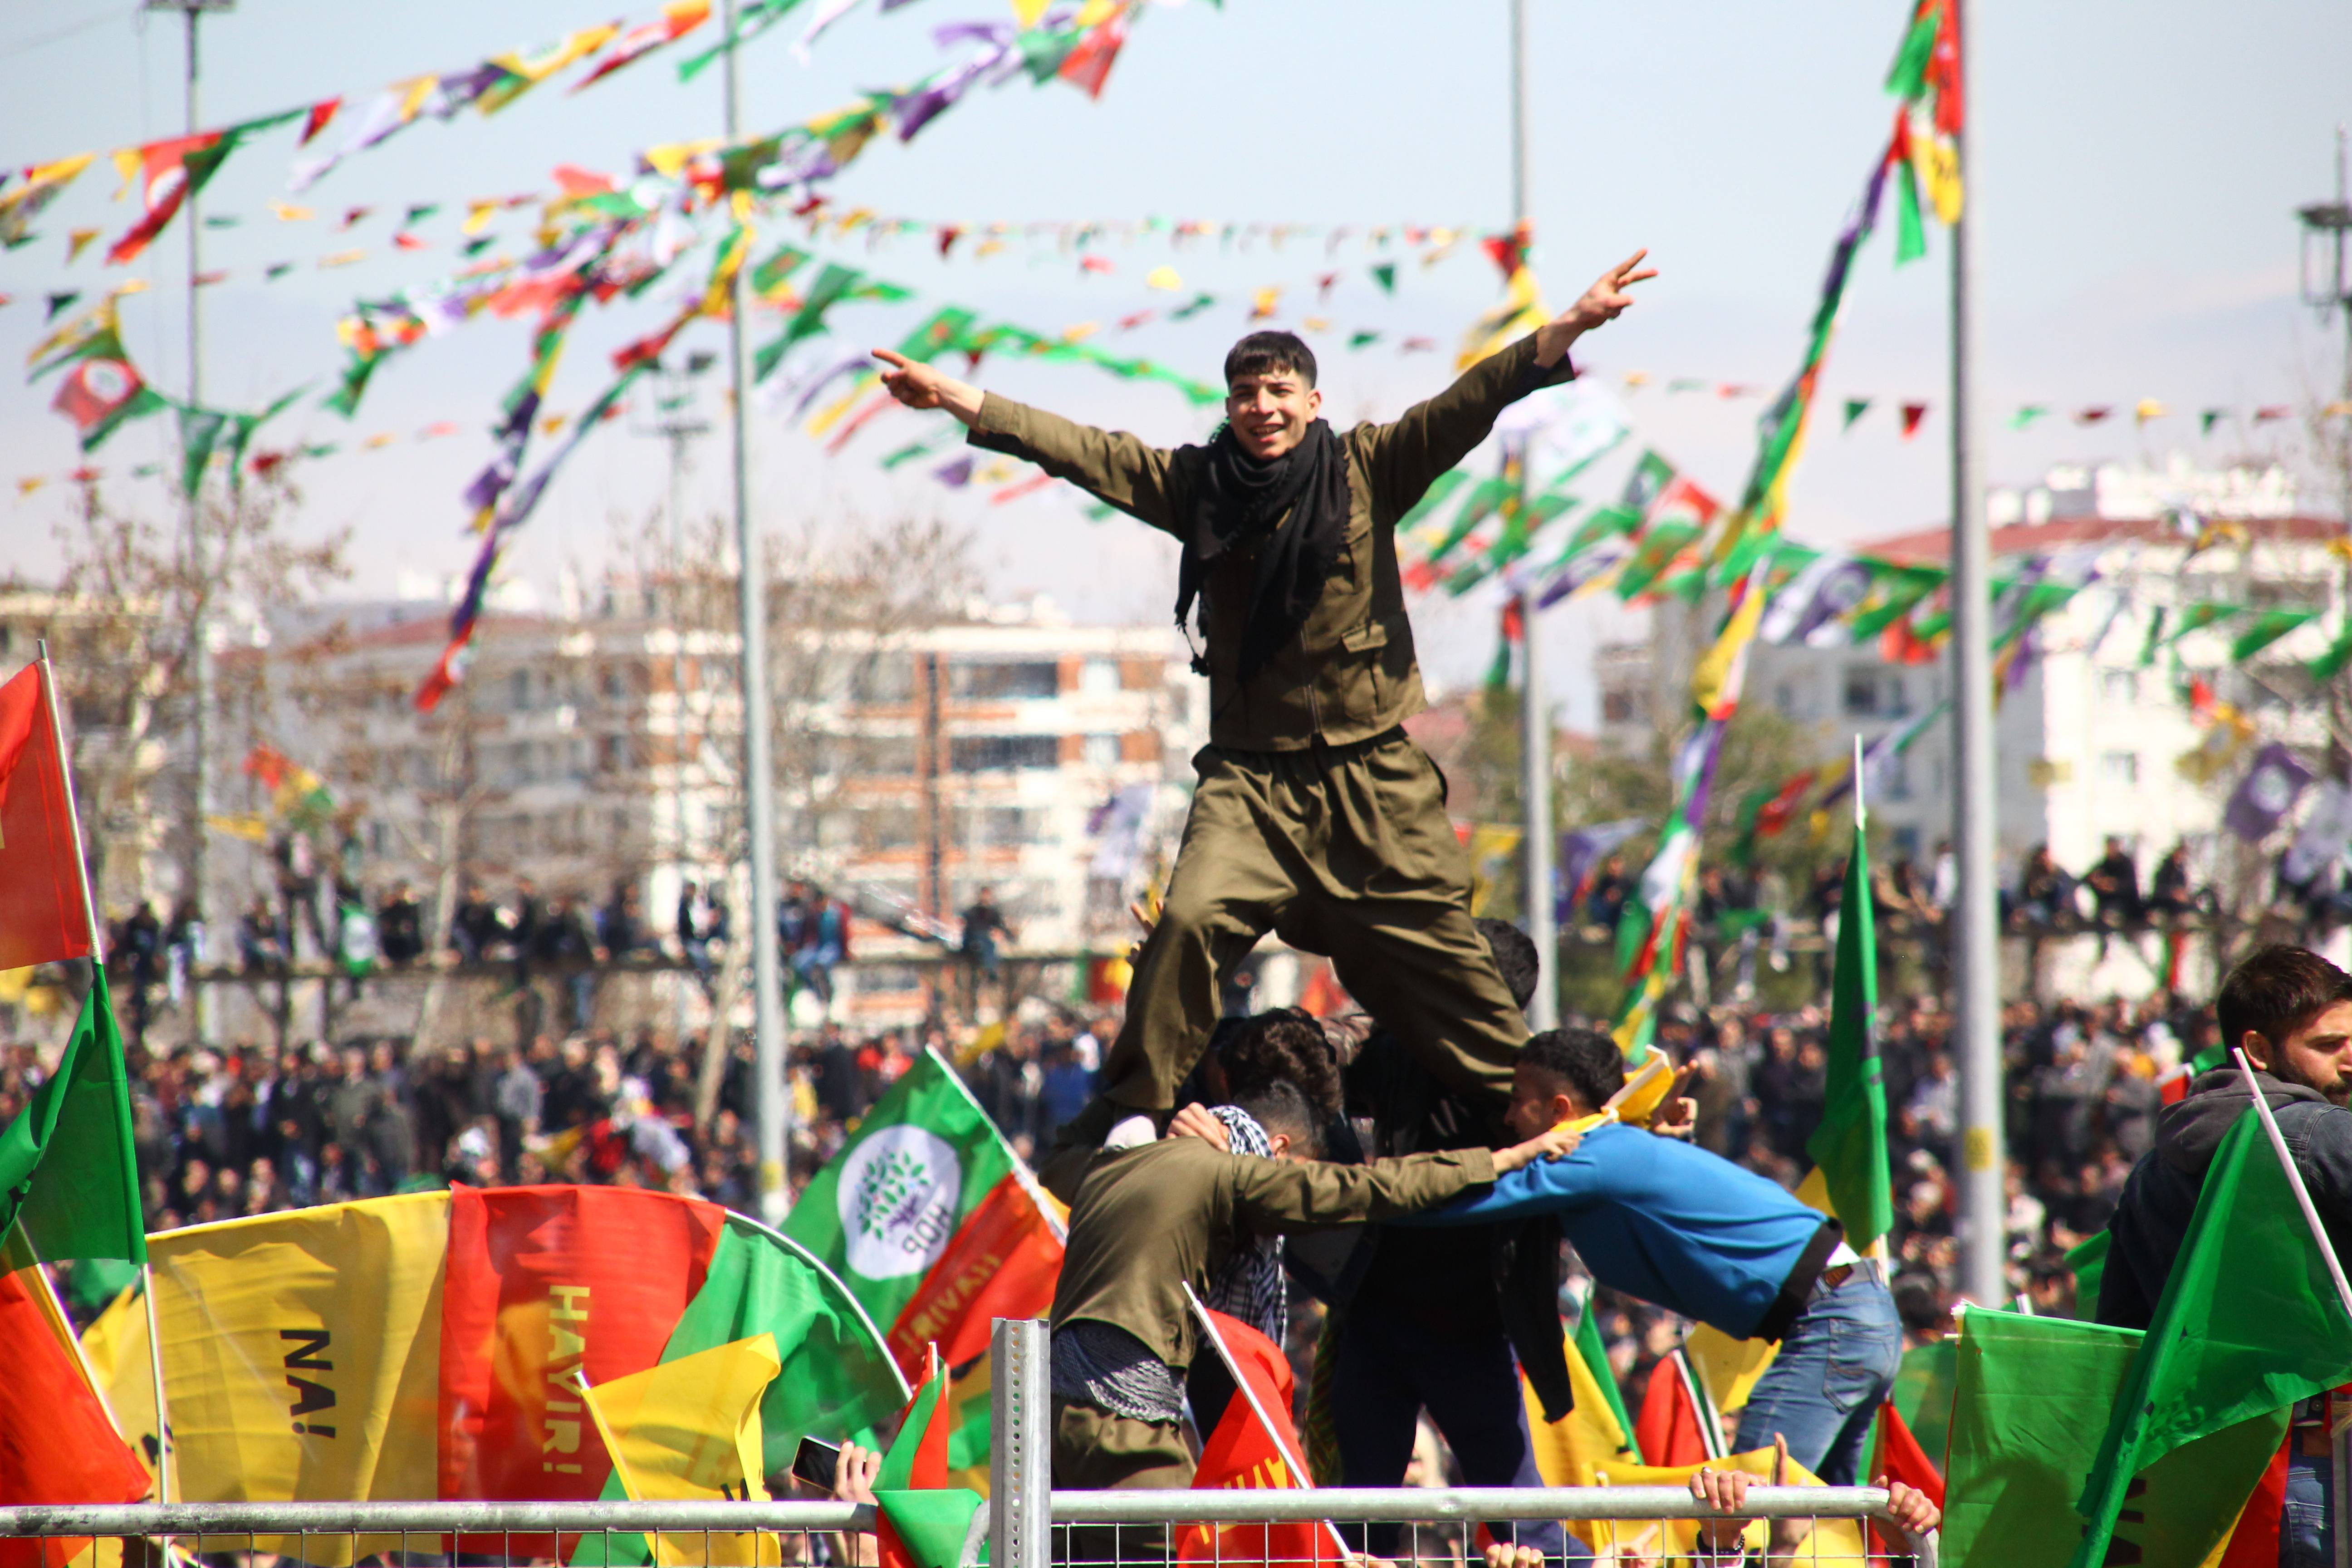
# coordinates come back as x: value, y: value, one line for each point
x: 1388, y: 1372
x: 2306, y: 1535
x: 1836, y: 1366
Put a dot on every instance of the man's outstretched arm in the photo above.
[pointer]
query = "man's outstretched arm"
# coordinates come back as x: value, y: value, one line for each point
x: 1131, y: 475
x: 1405, y: 458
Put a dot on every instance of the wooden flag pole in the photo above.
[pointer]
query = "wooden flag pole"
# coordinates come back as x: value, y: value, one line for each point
x: 2295, y: 1180
x: 96, y: 958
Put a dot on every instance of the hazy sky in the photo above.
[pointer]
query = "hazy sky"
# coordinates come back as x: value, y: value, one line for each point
x: 2140, y: 161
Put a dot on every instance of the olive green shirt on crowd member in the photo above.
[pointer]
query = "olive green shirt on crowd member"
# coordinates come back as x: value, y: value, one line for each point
x: 1150, y: 1220
x: 1349, y: 674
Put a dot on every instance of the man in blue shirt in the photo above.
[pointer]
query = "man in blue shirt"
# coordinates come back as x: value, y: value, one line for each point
x: 1675, y: 1224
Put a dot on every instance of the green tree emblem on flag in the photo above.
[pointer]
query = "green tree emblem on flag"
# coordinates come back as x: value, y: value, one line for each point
x: 898, y: 1201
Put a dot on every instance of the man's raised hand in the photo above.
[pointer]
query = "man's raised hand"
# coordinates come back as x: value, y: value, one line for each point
x: 1602, y: 303
x: 922, y: 386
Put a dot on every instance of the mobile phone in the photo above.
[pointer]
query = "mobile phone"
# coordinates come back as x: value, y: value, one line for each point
x: 817, y: 1463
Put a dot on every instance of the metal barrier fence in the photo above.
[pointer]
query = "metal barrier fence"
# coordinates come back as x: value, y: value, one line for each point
x: 1028, y: 1525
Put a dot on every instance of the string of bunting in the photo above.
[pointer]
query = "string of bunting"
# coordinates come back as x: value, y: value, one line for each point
x: 1921, y: 155
x: 1078, y: 44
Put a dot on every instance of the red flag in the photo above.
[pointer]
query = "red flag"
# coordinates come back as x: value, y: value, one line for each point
x: 1912, y: 414
x: 1670, y: 1428
x: 1002, y: 1262
x: 162, y: 185
x: 320, y: 112
x: 2255, y: 1540
x: 57, y: 1443
x: 1900, y: 1458
x: 1088, y: 65
x: 1774, y: 815
x: 447, y: 670
x: 44, y: 914
x: 1254, y: 1447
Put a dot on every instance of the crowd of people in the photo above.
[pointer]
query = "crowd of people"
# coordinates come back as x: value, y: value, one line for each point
x: 247, y: 1127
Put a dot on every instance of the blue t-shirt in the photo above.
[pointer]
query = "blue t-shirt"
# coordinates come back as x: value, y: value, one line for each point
x: 1657, y: 1218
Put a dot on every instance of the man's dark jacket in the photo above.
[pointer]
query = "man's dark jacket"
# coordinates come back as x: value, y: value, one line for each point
x: 2152, y: 1219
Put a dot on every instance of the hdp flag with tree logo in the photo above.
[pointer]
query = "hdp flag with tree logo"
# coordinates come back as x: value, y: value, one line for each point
x: 931, y: 1220
x: 2249, y: 1322
x: 1848, y: 1147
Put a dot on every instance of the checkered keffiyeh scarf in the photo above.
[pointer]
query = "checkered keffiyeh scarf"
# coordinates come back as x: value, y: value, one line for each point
x: 1250, y: 1287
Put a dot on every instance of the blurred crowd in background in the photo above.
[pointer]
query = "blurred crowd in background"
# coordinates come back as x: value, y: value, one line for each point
x: 253, y: 1128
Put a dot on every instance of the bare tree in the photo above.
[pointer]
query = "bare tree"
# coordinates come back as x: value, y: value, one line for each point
x: 123, y: 634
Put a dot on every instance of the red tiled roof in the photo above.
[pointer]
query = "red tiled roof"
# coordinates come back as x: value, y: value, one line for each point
x: 1932, y: 546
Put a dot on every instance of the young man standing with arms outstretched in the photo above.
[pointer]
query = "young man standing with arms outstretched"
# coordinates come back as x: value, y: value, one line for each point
x: 1316, y: 816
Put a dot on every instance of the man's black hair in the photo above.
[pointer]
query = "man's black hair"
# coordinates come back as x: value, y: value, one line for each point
x: 1286, y: 1044
x: 1515, y: 957
x: 2277, y: 991
x: 1586, y: 1061
x: 1261, y: 353
x: 1278, y: 1106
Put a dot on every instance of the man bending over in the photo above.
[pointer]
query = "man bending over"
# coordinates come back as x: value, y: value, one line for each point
x: 1658, y: 1218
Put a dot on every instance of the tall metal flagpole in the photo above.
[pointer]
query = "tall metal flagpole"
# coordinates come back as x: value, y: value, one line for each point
x: 1535, y: 714
x: 772, y: 1099
x: 1975, y: 931
x: 200, y: 631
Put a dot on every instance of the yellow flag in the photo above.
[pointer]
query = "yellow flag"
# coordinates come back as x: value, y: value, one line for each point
x: 1729, y: 1368
x: 688, y: 1431
x: 1027, y: 12
x: 1834, y: 1541
x: 301, y: 1354
x: 1571, y: 1450
x: 1163, y: 278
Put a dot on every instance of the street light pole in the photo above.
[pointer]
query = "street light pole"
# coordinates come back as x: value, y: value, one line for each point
x: 1975, y: 934
x: 773, y: 1098
x: 200, y: 731
x: 676, y: 425
x: 1534, y: 716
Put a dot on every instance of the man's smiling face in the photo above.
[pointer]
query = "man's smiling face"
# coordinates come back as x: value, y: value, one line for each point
x: 1270, y: 410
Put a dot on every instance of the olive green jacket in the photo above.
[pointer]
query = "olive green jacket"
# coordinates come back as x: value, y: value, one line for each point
x: 1351, y: 674
x: 1150, y: 1220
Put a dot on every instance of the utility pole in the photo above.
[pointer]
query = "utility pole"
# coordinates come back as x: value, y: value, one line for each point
x: 678, y: 425
x: 1535, y: 713
x: 2327, y: 285
x: 773, y: 1098
x: 1976, y: 935
x: 200, y: 591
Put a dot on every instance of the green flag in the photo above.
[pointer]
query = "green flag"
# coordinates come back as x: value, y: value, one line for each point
x: 2031, y: 1397
x: 67, y: 1172
x: 2089, y: 1262
x: 882, y: 1210
x: 838, y: 1380
x: 2330, y: 664
x: 1596, y: 1361
x: 936, y: 1526
x: 2249, y: 1322
x: 1850, y: 1144
x: 2268, y: 627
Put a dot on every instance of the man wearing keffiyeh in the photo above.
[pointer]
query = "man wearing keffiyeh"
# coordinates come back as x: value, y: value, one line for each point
x: 1316, y: 815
